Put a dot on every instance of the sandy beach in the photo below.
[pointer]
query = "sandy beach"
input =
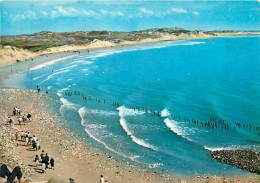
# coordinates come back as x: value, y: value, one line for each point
x: 9, y: 54
x: 73, y: 157
x: 129, y: 91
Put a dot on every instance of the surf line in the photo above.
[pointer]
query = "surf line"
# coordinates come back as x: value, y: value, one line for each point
x: 81, y: 113
x: 123, y: 111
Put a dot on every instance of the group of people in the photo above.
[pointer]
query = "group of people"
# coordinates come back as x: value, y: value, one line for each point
x: 22, y: 118
x: 45, y: 161
x: 16, y: 111
x: 29, y: 139
x: 34, y: 142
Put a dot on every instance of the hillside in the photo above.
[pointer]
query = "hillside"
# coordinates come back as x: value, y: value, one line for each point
x: 43, y: 40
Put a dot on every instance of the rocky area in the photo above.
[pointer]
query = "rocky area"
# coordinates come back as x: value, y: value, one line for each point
x: 244, y: 159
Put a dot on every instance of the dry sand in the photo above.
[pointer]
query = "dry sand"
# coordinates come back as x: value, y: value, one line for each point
x: 73, y: 157
x: 10, y: 54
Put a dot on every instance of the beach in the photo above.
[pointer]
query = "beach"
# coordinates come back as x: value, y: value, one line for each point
x: 129, y: 91
x: 9, y: 54
x: 73, y: 158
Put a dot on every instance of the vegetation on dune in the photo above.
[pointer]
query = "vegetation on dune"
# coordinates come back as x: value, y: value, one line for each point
x: 43, y: 40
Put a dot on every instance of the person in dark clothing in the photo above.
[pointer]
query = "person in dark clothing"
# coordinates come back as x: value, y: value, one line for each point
x: 14, y: 111
x: 46, y: 160
x: 4, y: 171
x: 29, y: 116
x: 52, y: 163
x: 34, y: 145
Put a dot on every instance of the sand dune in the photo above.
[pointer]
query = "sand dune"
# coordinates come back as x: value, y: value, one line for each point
x: 10, y: 54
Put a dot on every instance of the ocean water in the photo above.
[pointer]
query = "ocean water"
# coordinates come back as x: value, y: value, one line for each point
x: 114, y: 97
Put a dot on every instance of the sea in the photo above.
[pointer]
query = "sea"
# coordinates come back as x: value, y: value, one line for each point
x: 163, y: 106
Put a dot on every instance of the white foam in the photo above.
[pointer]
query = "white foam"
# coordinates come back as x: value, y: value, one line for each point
x: 86, y: 69
x: 36, y: 78
x: 218, y: 148
x: 100, y: 112
x: 51, y: 75
x: 173, y: 126
x: 165, y: 112
x: 134, y: 138
x: 64, y: 68
x: 69, y: 79
x: 82, y: 111
x: 124, y: 111
x: 155, y: 165
x: 63, y: 89
x: 66, y: 104
x: 96, y: 126
x: 190, y: 43
x: 233, y: 147
x: 49, y: 87
x: 172, y: 43
x: 83, y: 62
x: 51, y: 62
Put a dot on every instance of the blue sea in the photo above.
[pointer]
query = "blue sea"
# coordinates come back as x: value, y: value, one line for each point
x: 163, y: 106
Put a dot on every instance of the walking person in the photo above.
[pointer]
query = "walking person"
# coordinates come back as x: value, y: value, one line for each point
x: 102, y: 179
x: 52, y: 163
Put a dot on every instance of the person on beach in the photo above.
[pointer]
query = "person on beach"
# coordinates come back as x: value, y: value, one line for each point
x: 43, y: 168
x: 34, y: 138
x: 71, y: 180
x: 29, y: 116
x: 14, y: 112
x: 20, y: 121
x: 5, y: 172
x: 24, y: 118
x: 43, y: 154
x: 52, y: 163
x: 22, y: 136
x: 36, y: 160
x: 18, y: 111
x: 9, y: 121
x: 102, y: 179
x: 16, y: 136
x: 27, y: 140
x: 34, y: 146
x: 46, y: 160
x: 30, y: 138
x: 38, y: 145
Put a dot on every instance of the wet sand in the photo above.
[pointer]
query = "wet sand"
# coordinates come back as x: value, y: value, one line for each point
x: 73, y: 156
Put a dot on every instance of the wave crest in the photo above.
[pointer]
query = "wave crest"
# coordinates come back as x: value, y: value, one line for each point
x: 165, y: 112
x: 172, y: 125
x: 82, y: 111
x: 124, y: 111
x: 134, y: 138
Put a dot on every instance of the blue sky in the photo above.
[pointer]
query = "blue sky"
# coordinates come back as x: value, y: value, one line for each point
x: 20, y: 17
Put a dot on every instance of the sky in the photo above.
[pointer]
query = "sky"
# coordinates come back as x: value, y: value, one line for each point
x: 25, y: 17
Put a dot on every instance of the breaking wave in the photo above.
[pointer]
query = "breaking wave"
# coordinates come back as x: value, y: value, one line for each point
x: 173, y: 126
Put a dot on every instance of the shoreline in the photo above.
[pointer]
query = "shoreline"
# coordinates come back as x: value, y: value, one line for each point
x: 68, y: 50
x: 45, y: 58
x: 72, y: 50
x: 40, y: 98
x: 69, y: 149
